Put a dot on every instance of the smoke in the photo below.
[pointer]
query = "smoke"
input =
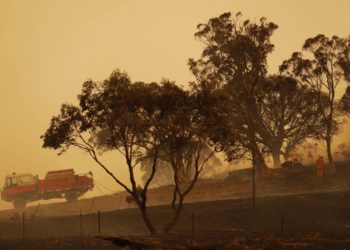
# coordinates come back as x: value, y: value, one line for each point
x: 165, y: 176
x: 343, y: 152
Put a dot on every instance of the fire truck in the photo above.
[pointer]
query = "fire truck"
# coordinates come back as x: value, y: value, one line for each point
x: 21, y: 188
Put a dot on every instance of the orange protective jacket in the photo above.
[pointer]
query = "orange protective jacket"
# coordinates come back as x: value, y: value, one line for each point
x: 319, y: 163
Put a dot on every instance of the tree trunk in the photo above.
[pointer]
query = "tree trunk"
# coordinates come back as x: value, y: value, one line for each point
x: 174, y: 220
x: 258, y: 160
x: 276, y: 158
x: 147, y: 221
x: 329, y: 155
x: 253, y: 183
x: 286, y: 156
x: 260, y: 165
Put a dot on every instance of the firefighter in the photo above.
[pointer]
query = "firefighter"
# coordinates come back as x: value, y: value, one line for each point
x: 319, y: 166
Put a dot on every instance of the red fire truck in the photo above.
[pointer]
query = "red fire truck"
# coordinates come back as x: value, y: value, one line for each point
x: 25, y: 187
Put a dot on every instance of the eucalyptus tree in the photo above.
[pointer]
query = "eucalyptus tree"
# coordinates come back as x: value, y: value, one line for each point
x: 345, y: 65
x: 345, y: 102
x: 286, y: 112
x: 184, y: 138
x: 114, y: 115
x: 141, y: 122
x: 234, y: 58
x: 322, y: 73
x: 344, y: 57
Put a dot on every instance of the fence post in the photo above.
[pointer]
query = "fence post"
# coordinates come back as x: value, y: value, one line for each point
x: 99, y: 222
x: 282, y: 227
x: 92, y: 204
x: 23, y: 226
x: 81, y: 231
x: 193, y: 224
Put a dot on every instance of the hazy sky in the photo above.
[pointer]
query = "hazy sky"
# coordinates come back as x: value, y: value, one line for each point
x: 49, y: 48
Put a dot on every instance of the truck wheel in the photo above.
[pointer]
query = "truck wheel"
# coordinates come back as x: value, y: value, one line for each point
x: 71, y: 197
x: 19, y: 203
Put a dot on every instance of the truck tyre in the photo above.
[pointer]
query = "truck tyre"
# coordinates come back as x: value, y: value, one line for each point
x: 19, y: 203
x: 71, y: 197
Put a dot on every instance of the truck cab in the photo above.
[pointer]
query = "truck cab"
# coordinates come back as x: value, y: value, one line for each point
x: 19, y: 188
x: 16, y: 180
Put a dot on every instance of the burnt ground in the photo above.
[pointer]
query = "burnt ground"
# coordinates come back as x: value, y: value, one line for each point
x: 315, y: 212
x: 312, y: 221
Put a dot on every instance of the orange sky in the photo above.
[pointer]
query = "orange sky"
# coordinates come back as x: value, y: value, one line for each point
x: 48, y: 48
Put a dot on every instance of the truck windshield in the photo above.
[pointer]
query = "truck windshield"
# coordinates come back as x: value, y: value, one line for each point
x: 26, y: 179
x: 11, y: 182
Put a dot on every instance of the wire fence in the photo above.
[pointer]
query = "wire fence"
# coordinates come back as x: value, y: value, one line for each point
x: 100, y: 215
